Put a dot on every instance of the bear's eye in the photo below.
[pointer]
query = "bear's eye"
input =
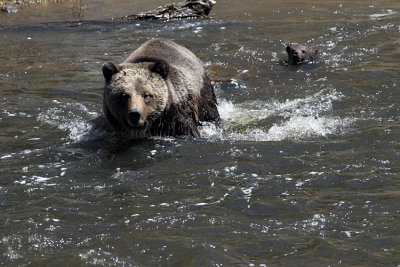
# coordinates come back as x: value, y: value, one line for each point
x: 147, y: 96
x: 303, y: 51
x: 123, y: 98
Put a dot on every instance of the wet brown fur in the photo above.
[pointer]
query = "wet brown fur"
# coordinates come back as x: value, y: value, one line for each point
x: 299, y: 54
x: 191, y: 97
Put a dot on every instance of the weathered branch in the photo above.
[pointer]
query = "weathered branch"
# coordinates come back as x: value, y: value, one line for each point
x: 181, y: 10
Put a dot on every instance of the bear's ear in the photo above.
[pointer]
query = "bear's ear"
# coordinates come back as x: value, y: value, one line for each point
x: 109, y: 69
x: 161, y: 67
x: 288, y: 48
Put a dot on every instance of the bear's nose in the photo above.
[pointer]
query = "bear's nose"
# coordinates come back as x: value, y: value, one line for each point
x: 134, y: 116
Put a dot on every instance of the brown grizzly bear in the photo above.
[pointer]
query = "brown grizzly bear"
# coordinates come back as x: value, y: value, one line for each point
x: 299, y: 54
x: 161, y: 89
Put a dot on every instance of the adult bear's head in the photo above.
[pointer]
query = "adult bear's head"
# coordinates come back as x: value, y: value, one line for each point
x: 135, y: 94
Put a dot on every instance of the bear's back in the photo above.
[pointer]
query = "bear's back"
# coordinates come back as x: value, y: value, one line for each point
x: 186, y: 71
x: 167, y: 50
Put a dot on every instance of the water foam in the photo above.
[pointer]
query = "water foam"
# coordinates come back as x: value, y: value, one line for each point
x: 307, y: 127
x: 70, y: 117
x: 294, y: 119
x: 389, y: 12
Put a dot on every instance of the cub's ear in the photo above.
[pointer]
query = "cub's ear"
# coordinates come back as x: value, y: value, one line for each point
x: 161, y: 67
x: 288, y: 48
x: 109, y: 69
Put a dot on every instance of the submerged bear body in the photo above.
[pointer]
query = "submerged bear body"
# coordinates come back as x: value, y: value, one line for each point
x: 299, y: 54
x: 161, y: 89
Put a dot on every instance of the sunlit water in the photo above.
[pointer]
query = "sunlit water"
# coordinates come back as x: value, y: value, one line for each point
x: 304, y: 170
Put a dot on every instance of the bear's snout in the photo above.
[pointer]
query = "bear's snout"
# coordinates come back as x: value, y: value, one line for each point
x: 134, y: 116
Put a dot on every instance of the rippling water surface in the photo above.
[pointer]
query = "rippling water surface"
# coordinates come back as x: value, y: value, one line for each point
x: 304, y: 170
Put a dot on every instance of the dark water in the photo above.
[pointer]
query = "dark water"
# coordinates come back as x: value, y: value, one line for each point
x: 305, y: 170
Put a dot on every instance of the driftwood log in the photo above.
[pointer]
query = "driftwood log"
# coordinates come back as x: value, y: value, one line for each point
x: 182, y: 10
x: 189, y: 9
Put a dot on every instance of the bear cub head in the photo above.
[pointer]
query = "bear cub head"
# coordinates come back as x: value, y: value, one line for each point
x: 135, y: 95
x: 299, y: 54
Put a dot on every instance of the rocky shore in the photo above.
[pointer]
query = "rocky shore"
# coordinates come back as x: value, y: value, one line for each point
x: 13, y: 6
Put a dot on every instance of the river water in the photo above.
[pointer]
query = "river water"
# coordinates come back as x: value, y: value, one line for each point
x: 305, y: 169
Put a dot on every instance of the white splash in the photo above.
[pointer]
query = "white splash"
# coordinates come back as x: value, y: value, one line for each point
x: 295, y: 119
x: 378, y: 16
x: 36, y: 180
x: 69, y: 117
x: 305, y: 127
